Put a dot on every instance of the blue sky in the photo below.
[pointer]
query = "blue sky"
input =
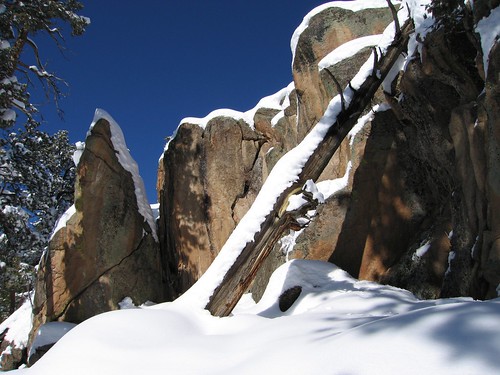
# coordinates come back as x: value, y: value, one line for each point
x: 152, y: 63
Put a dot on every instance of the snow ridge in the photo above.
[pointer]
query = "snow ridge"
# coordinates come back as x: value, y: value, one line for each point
x: 278, y: 101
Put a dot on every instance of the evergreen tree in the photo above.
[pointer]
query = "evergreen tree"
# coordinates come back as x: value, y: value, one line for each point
x: 19, y: 22
x: 36, y: 187
x: 36, y: 169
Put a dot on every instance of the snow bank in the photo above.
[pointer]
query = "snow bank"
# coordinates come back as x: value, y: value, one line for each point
x: 129, y: 164
x: 338, y: 325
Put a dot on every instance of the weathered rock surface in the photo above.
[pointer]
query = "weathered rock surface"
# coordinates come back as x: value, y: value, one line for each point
x: 106, y: 251
x: 205, y: 192
x: 422, y: 186
x: 326, y: 31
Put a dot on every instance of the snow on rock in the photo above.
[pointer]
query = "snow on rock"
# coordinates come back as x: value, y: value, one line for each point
x: 16, y: 329
x: 18, y: 325
x: 277, y: 101
x: 489, y: 30
x: 79, y: 147
x: 338, y: 325
x: 421, y: 251
x: 129, y: 164
x: 347, y: 50
x: 61, y: 222
x: 354, y: 6
x: 423, y: 22
x: 155, y: 208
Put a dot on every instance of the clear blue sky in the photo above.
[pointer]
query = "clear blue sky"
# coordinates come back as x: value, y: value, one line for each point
x: 152, y: 63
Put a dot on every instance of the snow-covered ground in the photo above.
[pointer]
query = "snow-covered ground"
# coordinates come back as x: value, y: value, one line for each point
x: 338, y: 325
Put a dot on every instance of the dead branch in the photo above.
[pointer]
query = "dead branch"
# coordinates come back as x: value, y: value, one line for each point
x: 338, y: 87
x: 394, y: 16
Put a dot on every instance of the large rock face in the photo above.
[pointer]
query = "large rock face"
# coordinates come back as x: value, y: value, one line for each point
x: 204, y: 192
x: 106, y: 250
x: 420, y: 191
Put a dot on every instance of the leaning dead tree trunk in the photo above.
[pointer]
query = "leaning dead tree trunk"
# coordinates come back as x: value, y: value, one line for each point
x: 242, y: 272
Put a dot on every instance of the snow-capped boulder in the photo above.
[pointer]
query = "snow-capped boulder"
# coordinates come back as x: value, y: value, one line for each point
x: 323, y: 30
x: 106, y: 247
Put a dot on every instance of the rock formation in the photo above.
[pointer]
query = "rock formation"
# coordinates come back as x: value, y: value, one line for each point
x: 107, y: 248
x: 412, y: 194
x: 420, y: 194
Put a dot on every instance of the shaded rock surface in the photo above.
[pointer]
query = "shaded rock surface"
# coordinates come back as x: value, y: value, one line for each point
x: 106, y: 251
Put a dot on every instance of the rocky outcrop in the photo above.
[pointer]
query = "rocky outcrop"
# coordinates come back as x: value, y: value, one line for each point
x: 205, y: 192
x: 319, y: 35
x: 106, y: 249
x: 421, y: 183
x: 209, y: 175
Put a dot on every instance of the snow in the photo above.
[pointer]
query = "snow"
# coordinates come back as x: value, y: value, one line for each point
x: 489, y: 30
x: 9, y: 115
x: 79, y: 147
x: 62, y: 221
x: 155, y: 208
x: 354, y: 6
x: 278, y: 101
x: 17, y: 328
x: 129, y: 164
x: 49, y: 333
x: 347, y: 50
x: 4, y: 44
x: 338, y: 325
x: 423, y: 22
x: 420, y: 252
x: 126, y: 303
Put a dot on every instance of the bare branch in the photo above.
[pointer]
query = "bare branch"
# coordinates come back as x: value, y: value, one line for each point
x: 394, y: 16
x: 338, y: 87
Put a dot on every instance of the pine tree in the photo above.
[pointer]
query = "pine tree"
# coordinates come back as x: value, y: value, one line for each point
x: 19, y: 22
x: 36, y: 186
x: 36, y: 169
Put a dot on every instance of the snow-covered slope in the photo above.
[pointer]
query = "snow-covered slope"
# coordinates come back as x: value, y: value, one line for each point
x: 338, y: 325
